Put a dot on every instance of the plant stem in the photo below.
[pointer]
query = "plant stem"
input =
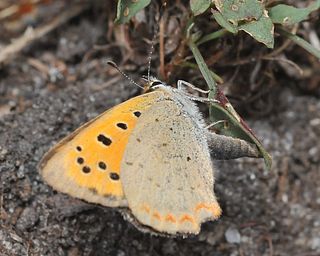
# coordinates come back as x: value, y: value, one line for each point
x: 301, y: 42
x: 205, y: 71
x: 216, y: 77
x: 212, y: 36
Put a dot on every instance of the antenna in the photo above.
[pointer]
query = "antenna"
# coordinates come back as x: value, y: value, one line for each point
x: 156, y: 30
x: 152, y: 49
x: 114, y: 65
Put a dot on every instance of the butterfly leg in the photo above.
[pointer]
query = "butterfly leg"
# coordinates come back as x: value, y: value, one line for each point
x: 201, y: 99
x: 182, y: 84
x: 215, y: 123
x: 180, y: 90
x: 224, y: 147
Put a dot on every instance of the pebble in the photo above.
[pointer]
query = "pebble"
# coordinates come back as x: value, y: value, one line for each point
x: 27, y: 219
x: 233, y: 236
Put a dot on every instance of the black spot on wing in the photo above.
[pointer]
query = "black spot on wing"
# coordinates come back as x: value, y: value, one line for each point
x: 137, y: 113
x: 104, y: 140
x: 102, y: 165
x: 86, y: 169
x: 122, y: 126
x: 114, y: 176
x: 80, y: 160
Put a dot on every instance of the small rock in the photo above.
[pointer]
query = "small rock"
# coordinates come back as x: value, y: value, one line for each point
x: 20, y: 172
x: 27, y: 219
x: 3, y: 153
x: 121, y: 253
x: 232, y: 236
x: 315, y: 243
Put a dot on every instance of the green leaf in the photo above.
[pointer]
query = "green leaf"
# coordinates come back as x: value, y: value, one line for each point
x: 240, y: 10
x: 289, y: 15
x: 212, y: 36
x: 247, y: 15
x: 220, y: 19
x: 126, y: 9
x: 262, y: 30
x: 199, y: 6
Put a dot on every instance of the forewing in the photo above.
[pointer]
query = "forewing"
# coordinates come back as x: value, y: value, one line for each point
x: 86, y: 164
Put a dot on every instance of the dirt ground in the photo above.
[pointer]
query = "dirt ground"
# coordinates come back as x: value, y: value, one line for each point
x: 273, y: 212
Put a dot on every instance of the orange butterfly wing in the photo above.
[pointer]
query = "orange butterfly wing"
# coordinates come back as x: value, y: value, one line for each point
x: 86, y: 164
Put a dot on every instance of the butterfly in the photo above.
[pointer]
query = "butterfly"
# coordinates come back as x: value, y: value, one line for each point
x: 150, y: 156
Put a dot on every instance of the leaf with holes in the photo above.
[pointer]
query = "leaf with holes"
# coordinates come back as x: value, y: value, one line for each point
x: 199, y: 6
x: 247, y: 15
x: 220, y: 19
x: 236, y: 11
x: 262, y: 30
x: 126, y: 9
x: 289, y: 15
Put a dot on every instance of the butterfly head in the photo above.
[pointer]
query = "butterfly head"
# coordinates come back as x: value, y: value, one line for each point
x: 152, y: 83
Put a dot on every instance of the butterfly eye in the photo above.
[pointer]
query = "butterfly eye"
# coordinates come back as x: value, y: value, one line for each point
x: 155, y: 83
